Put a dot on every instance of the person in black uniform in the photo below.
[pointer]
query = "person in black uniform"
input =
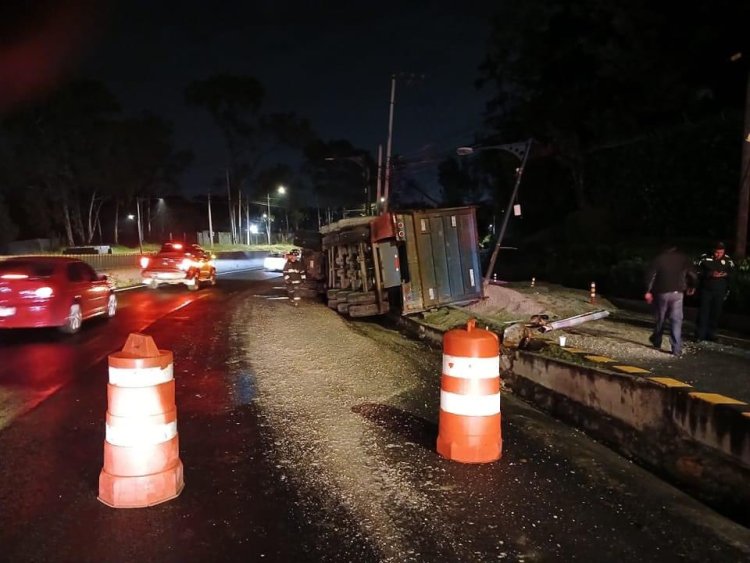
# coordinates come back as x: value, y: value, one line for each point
x: 294, y: 274
x: 715, y: 270
x: 670, y: 275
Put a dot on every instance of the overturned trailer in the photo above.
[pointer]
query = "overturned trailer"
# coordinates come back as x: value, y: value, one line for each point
x: 404, y: 262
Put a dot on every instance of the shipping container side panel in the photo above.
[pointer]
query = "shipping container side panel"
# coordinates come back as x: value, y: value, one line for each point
x: 426, y: 261
x: 440, y: 258
x: 470, y: 270
x: 451, y: 225
x: 412, y: 288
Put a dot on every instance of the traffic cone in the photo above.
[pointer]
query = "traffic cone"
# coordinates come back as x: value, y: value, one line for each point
x: 469, y: 423
x: 142, y: 466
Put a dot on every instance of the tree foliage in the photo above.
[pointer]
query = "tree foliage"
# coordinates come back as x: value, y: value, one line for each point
x: 74, y: 152
x: 621, y: 94
x: 234, y: 102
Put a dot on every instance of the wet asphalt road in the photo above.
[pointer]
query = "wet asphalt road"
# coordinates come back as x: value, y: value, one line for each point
x: 267, y: 480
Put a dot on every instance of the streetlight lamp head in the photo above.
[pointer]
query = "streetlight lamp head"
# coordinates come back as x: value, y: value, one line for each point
x: 464, y: 151
x: 282, y: 190
x: 131, y: 216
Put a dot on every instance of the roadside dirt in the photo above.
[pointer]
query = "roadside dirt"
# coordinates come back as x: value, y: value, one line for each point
x: 623, y: 336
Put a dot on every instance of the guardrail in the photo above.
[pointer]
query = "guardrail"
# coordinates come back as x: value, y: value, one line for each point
x: 101, y: 262
x: 104, y: 262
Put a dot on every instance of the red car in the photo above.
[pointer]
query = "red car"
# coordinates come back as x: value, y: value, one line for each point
x: 179, y: 263
x: 52, y: 291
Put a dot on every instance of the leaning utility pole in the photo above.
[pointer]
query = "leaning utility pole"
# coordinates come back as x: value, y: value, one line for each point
x: 387, y: 182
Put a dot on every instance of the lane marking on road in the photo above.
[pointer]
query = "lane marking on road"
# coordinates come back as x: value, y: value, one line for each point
x: 600, y: 359
x: 716, y: 399
x: 669, y: 382
x: 631, y: 369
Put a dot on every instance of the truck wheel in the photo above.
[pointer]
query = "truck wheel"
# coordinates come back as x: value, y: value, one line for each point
x: 360, y: 298
x: 363, y: 310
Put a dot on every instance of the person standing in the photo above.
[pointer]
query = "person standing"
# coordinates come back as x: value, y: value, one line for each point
x: 294, y: 274
x: 670, y: 275
x: 715, y: 270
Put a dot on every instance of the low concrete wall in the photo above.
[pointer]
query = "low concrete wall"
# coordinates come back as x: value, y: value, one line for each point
x: 698, y: 441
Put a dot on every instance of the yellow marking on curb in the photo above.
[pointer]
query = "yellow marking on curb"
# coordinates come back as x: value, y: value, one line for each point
x: 669, y: 382
x: 631, y: 369
x: 600, y: 359
x: 574, y: 350
x: 716, y: 399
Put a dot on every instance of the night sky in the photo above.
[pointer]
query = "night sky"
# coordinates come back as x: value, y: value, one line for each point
x: 330, y: 62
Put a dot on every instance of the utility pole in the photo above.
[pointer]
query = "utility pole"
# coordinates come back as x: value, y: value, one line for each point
x: 210, y: 222
x: 239, y: 216
x: 386, y: 187
x: 506, y: 217
x: 268, y: 217
x: 231, y: 210
x: 740, y: 247
x: 140, y: 227
x: 378, y: 185
x: 247, y: 220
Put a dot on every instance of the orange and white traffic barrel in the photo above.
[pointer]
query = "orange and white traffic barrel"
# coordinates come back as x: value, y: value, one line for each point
x: 142, y: 465
x: 469, y: 425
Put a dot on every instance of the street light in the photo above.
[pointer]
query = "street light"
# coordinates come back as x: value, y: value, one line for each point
x: 359, y: 160
x: 521, y: 151
x: 281, y: 190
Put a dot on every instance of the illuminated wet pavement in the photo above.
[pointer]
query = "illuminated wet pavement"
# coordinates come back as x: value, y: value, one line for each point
x: 308, y: 438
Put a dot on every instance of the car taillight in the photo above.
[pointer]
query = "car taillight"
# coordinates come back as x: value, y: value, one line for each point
x: 144, y: 261
x: 43, y: 292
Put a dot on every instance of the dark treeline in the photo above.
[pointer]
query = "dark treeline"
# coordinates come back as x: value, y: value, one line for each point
x: 636, y: 109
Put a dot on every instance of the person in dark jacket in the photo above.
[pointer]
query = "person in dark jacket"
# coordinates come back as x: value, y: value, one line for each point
x: 669, y: 277
x: 714, y: 270
x: 294, y: 274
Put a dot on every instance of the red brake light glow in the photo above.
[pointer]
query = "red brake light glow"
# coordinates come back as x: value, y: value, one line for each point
x: 177, y: 246
x: 14, y: 277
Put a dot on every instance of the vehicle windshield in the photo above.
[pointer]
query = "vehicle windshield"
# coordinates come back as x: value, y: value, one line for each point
x: 10, y: 269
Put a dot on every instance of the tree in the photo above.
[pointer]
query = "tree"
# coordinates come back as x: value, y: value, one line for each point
x: 52, y: 145
x: 591, y: 75
x: 73, y: 153
x: 339, y: 173
x: 234, y: 102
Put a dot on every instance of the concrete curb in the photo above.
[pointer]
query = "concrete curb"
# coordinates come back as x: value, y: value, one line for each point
x: 698, y: 441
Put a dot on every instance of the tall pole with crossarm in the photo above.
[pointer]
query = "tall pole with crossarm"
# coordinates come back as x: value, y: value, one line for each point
x: 463, y: 151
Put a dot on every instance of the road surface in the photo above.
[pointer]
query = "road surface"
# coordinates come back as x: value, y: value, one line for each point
x: 306, y: 437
